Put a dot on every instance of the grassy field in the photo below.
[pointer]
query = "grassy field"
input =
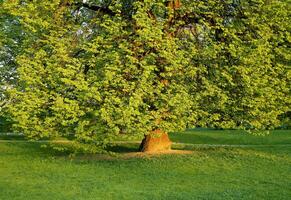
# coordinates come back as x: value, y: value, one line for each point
x: 257, y: 168
x: 232, y: 137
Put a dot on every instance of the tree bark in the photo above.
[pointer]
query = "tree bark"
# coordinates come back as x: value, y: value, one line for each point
x: 156, y: 141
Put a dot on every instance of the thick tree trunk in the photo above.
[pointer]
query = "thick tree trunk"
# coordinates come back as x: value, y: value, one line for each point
x: 156, y: 141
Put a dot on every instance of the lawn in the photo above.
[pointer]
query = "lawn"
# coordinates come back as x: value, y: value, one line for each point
x: 251, y: 167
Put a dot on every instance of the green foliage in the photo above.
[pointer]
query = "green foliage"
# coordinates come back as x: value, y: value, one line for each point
x: 286, y: 120
x: 5, y: 124
x: 99, y: 69
x: 10, y: 46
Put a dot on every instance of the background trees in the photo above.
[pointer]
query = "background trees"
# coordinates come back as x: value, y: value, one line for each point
x: 10, y: 46
x: 98, y: 69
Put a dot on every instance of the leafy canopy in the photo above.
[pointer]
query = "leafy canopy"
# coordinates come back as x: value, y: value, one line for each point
x: 98, y: 69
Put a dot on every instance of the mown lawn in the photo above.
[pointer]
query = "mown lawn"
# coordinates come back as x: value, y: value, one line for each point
x: 259, y: 171
x: 232, y: 137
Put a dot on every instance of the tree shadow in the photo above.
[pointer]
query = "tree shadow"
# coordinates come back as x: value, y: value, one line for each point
x: 11, y: 137
x: 123, y: 148
x: 44, y: 149
x: 36, y: 149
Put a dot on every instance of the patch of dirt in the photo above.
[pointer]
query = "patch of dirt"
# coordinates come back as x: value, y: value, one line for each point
x: 129, y: 155
x: 154, y: 153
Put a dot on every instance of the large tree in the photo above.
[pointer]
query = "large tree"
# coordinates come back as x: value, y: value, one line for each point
x: 100, y: 69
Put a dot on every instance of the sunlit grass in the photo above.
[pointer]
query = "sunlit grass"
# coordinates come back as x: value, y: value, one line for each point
x: 210, y: 172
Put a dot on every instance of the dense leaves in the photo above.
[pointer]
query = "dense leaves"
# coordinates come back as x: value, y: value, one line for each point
x: 98, y: 69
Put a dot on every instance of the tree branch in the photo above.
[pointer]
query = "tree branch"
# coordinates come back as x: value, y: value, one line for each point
x: 96, y: 8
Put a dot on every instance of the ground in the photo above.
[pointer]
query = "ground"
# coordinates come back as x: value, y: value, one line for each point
x: 223, y: 165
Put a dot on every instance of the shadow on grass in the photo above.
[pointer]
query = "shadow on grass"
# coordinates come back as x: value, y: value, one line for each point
x: 49, y: 150
x: 35, y: 149
x: 11, y: 137
x: 124, y: 148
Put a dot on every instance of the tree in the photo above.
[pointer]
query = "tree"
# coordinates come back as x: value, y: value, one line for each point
x: 10, y: 46
x: 100, y: 69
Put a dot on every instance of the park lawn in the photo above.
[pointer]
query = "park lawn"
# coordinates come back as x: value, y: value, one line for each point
x: 232, y: 137
x: 259, y: 171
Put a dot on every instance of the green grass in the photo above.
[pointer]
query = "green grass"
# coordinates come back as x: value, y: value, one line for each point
x: 232, y: 137
x: 211, y: 172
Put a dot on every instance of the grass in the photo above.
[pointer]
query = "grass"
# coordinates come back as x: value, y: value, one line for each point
x: 232, y: 137
x: 261, y: 171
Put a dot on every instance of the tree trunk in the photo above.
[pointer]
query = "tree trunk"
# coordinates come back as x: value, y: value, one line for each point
x: 155, y: 141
